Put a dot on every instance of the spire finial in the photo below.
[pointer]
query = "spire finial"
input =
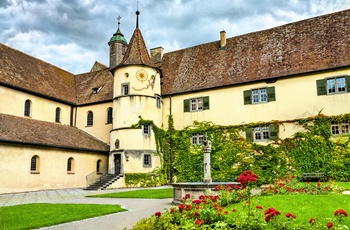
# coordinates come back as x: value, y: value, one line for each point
x: 137, y: 15
x: 119, y: 20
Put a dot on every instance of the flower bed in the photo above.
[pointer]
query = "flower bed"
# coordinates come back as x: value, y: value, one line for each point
x: 218, y: 212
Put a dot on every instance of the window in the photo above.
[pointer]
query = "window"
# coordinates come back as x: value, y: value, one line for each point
x: 34, y: 164
x: 339, y: 128
x: 196, y: 104
x: 333, y: 85
x: 147, y: 160
x: 98, y: 166
x: 90, y: 119
x: 125, y: 89
x: 27, y: 106
x: 197, y: 139
x: 146, y: 130
x: 58, y: 115
x: 158, y: 102
x: 262, y: 133
x: 70, y: 165
x: 261, y: 95
x: 109, y: 116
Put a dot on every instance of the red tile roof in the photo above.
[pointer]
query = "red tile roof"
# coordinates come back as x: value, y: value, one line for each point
x: 25, y: 72
x: 137, y: 53
x: 29, y: 131
x: 315, y: 44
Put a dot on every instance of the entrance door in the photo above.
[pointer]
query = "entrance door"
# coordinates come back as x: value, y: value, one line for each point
x: 117, y: 163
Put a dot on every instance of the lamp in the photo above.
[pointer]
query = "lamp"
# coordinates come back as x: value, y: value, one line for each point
x: 126, y: 156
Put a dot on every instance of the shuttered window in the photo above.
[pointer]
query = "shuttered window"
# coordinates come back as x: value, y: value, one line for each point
x: 260, y: 95
x: 196, y: 104
x: 262, y: 133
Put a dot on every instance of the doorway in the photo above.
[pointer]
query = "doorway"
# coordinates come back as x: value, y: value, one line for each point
x: 117, y: 163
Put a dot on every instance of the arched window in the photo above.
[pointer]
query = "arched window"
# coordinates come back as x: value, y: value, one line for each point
x: 58, y: 115
x: 27, y: 105
x: 90, y: 119
x: 70, y: 165
x: 35, y: 164
x: 98, y: 166
x: 109, y: 116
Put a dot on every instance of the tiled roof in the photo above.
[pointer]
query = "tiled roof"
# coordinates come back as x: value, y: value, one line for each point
x: 25, y: 72
x: 100, y: 81
x: 137, y: 53
x: 311, y: 45
x: 29, y: 131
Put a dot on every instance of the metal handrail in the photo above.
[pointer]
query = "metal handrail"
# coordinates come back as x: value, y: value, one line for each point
x: 95, y: 176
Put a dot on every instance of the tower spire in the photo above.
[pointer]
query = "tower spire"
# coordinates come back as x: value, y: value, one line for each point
x: 137, y: 15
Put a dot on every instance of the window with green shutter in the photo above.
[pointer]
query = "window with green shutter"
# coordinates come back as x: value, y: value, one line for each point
x: 261, y: 95
x: 321, y: 87
x: 262, y: 133
x: 196, y: 104
x: 249, y: 134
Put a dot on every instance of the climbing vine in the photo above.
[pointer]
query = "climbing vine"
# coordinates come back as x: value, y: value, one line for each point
x: 312, y: 150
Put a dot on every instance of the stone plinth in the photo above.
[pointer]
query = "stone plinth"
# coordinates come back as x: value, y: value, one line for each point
x: 195, y: 189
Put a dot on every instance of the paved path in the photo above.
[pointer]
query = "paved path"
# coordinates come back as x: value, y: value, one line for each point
x: 137, y: 208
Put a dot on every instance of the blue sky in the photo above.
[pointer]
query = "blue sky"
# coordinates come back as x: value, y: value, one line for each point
x: 73, y: 34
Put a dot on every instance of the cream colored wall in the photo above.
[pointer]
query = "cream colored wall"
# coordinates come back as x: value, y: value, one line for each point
x: 100, y: 129
x: 16, y: 175
x: 133, y: 139
x: 41, y: 109
x: 295, y: 98
x: 137, y: 87
x: 128, y: 109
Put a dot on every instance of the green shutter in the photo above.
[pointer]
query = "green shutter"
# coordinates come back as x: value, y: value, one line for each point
x: 321, y: 87
x: 347, y: 80
x: 271, y: 96
x: 247, y: 97
x: 249, y: 134
x: 273, y: 128
x: 187, y: 105
x: 205, y: 103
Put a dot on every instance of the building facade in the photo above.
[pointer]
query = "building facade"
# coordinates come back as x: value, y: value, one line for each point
x: 57, y: 129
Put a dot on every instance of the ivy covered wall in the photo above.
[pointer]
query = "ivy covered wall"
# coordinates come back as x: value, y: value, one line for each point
x: 312, y: 150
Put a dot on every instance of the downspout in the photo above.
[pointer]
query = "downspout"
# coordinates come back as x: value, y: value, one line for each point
x: 171, y: 147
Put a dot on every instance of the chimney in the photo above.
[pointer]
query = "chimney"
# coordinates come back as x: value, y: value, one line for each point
x: 157, y: 54
x: 222, y: 39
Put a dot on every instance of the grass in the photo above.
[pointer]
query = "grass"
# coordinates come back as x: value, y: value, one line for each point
x: 320, y: 207
x: 141, y: 193
x: 30, y: 216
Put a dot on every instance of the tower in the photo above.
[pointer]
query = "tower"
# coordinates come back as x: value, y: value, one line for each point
x: 137, y: 93
x: 117, y: 47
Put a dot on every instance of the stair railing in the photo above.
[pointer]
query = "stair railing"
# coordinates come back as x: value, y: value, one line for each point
x: 95, y: 176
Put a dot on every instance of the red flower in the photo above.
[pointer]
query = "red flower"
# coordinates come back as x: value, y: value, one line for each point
x: 288, y: 215
x: 172, y: 210
x: 312, y: 220
x: 188, y: 207
x: 247, y: 176
x: 226, y: 212
x: 329, y: 225
x: 340, y: 212
x: 259, y: 207
x: 199, y: 222
x: 158, y: 214
x: 234, y: 210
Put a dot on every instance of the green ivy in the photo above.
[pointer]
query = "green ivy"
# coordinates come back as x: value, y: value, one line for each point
x: 312, y: 150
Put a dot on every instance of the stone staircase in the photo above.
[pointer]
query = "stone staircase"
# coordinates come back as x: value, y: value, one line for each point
x: 104, y: 181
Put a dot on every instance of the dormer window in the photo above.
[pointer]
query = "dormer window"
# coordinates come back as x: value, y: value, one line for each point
x: 96, y: 89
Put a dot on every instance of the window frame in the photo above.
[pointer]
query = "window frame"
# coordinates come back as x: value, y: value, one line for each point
x: 158, y: 101
x: 248, y: 95
x: 27, y: 108
x: 125, y: 89
x: 70, y: 165
x: 340, y: 128
x: 272, y: 129
x: 147, y: 160
x: 323, y: 87
x: 189, y: 102
x: 146, y: 130
x: 109, y: 115
x: 35, y: 164
x: 58, y: 115
x: 89, y: 118
x: 197, y: 139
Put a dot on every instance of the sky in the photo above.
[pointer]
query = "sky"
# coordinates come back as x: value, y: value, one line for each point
x: 73, y: 34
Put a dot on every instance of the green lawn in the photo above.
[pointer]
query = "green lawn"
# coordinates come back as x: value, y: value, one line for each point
x: 29, y: 216
x: 140, y: 193
x: 304, y: 206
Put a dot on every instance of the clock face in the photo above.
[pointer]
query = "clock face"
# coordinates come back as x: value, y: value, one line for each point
x: 141, y: 75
